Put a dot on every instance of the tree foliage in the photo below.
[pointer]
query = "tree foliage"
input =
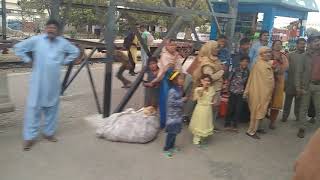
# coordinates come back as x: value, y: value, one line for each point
x: 30, y: 8
x: 81, y: 17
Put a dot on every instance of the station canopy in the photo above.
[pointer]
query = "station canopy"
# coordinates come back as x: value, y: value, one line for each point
x: 300, y: 5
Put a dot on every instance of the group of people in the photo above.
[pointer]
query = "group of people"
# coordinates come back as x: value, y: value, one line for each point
x: 257, y: 76
x: 261, y: 78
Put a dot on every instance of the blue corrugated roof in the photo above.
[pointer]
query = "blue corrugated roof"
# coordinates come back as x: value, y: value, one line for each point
x: 301, y: 5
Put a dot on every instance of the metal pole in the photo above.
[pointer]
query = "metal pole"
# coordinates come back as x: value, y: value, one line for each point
x: 233, y: 10
x: 4, y: 19
x: 66, y: 77
x: 78, y: 71
x: 109, y: 37
x: 214, y: 17
x: 95, y: 94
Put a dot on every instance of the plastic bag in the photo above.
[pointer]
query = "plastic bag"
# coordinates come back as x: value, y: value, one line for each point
x: 130, y: 126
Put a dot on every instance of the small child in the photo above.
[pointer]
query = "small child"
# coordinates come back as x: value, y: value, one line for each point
x: 151, y: 90
x: 201, y: 124
x: 174, y: 111
x: 238, y: 80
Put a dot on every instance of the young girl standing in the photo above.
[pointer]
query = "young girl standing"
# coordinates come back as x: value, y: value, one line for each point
x: 151, y: 90
x: 201, y: 124
x: 174, y: 111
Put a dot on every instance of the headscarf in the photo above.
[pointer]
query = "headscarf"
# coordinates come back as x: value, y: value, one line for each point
x: 262, y: 50
x: 207, y: 48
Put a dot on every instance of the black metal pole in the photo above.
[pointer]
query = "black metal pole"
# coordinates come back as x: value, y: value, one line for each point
x: 4, y: 19
x: 73, y: 77
x: 94, y: 89
x: 78, y: 71
x: 66, y: 77
x: 109, y: 39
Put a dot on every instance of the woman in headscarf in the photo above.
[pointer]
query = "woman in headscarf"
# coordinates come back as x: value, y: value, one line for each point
x: 259, y: 90
x: 169, y: 61
x: 211, y: 65
x: 280, y: 64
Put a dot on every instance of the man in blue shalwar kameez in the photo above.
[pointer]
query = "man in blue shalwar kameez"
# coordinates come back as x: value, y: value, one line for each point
x: 49, y: 52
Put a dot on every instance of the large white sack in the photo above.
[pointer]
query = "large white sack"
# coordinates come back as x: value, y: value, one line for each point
x: 129, y: 126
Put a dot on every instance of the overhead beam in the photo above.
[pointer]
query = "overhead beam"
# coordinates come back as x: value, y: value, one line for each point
x: 143, y: 8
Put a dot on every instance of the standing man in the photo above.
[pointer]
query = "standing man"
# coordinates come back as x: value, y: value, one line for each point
x: 254, y: 50
x: 243, y: 52
x: 49, y: 52
x: 148, y: 40
x: 131, y: 45
x: 290, y: 85
x: 307, y: 81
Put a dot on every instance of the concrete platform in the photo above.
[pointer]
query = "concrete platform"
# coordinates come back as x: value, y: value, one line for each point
x: 5, y: 103
x: 79, y: 155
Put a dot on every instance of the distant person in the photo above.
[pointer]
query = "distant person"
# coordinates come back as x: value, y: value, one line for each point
x: 131, y: 45
x: 97, y: 31
x: 254, y: 50
x: 148, y: 40
x: 290, y: 88
x: 259, y: 90
x: 223, y: 53
x: 162, y: 33
x: 49, y: 52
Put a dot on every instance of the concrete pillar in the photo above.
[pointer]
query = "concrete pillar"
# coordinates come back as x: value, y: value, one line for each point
x: 5, y: 103
x: 214, y: 31
x: 268, y: 21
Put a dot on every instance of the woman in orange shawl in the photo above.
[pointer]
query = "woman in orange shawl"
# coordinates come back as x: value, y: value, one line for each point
x: 280, y: 64
x: 259, y: 90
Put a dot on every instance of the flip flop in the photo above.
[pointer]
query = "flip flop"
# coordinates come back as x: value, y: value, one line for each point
x: 175, y: 150
x: 168, y: 154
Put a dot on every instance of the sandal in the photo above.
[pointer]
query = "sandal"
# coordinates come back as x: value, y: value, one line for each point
x: 28, y: 144
x: 175, y: 150
x: 255, y: 136
x: 168, y: 154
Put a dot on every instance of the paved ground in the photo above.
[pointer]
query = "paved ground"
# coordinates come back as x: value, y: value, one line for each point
x: 79, y: 155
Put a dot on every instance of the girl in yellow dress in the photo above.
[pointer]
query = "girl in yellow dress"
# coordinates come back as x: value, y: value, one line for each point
x: 201, y: 125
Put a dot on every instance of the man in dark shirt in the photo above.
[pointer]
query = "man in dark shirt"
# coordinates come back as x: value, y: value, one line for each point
x: 243, y: 51
x: 307, y: 81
